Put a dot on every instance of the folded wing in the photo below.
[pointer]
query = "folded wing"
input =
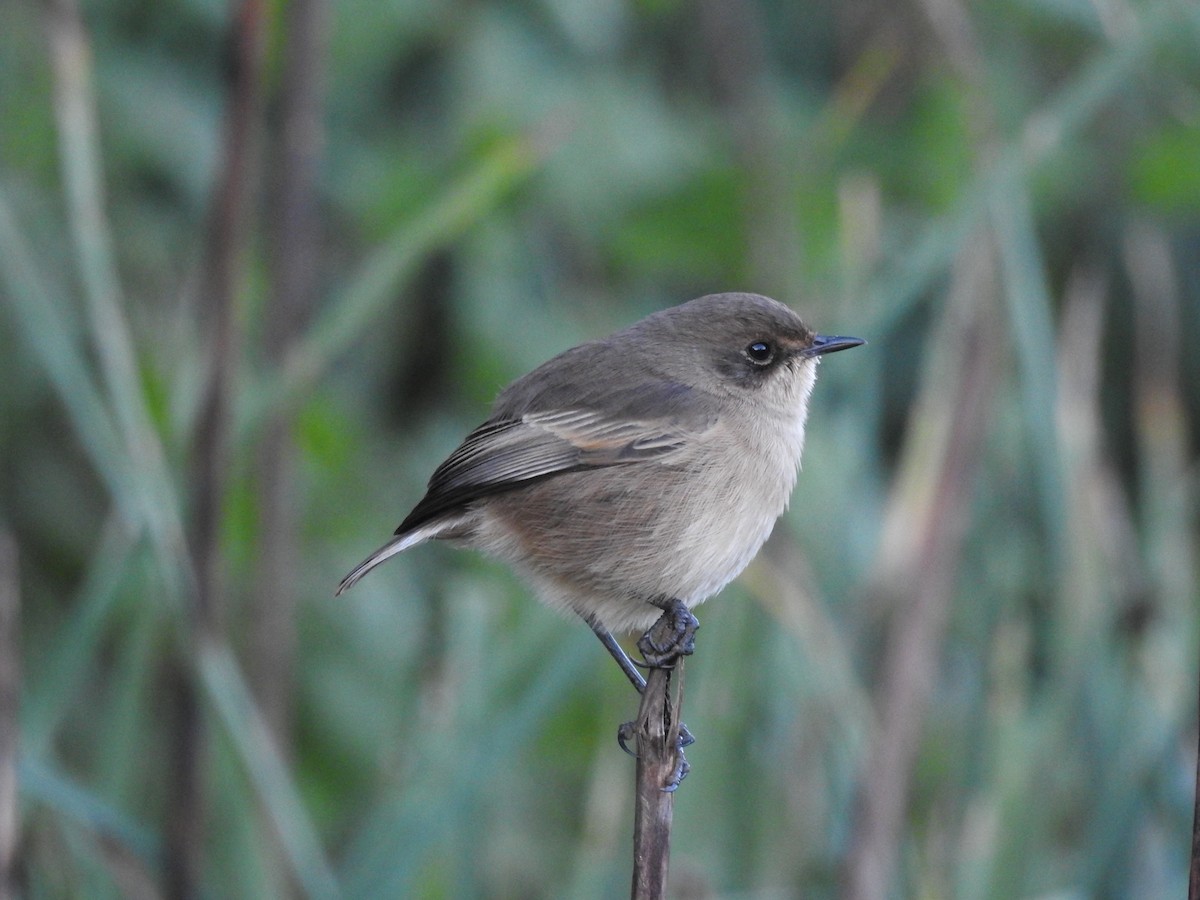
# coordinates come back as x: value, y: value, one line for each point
x: 503, y: 454
x: 524, y: 443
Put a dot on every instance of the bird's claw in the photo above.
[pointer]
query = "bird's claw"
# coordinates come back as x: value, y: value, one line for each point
x: 671, y: 637
x: 626, y: 733
x: 681, y: 770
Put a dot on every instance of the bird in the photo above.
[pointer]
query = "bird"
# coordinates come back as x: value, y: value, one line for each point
x: 631, y: 478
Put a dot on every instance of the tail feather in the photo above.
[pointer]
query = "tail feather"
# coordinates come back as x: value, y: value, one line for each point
x: 398, y: 544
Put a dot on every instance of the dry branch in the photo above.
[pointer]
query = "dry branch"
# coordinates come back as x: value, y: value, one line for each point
x: 10, y: 692
x: 228, y: 238
x: 658, y: 771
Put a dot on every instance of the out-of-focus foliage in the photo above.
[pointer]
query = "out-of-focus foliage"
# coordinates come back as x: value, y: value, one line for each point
x: 500, y: 181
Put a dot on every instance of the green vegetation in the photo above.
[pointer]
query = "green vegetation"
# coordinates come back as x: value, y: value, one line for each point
x: 969, y: 653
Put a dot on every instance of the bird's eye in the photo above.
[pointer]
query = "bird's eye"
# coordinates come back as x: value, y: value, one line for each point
x: 760, y: 353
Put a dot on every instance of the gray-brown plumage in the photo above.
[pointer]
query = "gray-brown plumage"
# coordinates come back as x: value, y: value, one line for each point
x: 643, y: 467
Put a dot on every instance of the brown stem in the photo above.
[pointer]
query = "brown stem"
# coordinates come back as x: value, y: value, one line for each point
x: 10, y: 692
x: 227, y: 240
x: 657, y: 732
x: 1194, y: 870
x: 295, y: 261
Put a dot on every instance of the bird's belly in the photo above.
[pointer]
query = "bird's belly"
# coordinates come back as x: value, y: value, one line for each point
x: 605, y: 546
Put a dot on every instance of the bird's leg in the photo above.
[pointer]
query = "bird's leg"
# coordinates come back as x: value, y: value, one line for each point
x: 625, y: 732
x: 618, y: 653
x: 672, y: 636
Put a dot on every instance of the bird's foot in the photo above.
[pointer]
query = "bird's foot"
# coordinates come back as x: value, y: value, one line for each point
x: 626, y: 733
x: 681, y: 770
x: 671, y: 637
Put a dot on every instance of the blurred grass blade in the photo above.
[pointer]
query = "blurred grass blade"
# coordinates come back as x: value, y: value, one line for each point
x: 79, y: 157
x: 227, y: 690
x: 77, y: 644
x: 368, y: 293
x: 46, y: 331
x: 1045, y: 130
x: 45, y: 328
x: 399, y: 836
x: 43, y: 784
x: 1029, y: 305
x: 926, y: 258
x: 918, y: 564
x: 1108, y: 74
x: 11, y: 679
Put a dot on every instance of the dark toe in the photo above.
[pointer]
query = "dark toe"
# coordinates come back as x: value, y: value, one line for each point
x: 671, y: 637
x: 625, y: 735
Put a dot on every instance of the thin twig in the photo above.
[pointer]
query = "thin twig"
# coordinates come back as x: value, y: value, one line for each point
x: 10, y: 692
x: 1161, y: 415
x: 227, y: 240
x: 657, y: 732
x: 295, y: 261
x: 1194, y: 871
x: 295, y: 266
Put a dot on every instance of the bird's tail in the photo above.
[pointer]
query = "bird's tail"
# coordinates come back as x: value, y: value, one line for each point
x: 398, y: 544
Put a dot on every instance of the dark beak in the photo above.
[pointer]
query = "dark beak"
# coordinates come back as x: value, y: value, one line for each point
x: 824, y: 343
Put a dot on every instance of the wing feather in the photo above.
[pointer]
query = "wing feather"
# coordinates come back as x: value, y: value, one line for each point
x: 505, y: 453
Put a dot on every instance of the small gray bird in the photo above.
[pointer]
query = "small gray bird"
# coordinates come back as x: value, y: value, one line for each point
x: 631, y: 478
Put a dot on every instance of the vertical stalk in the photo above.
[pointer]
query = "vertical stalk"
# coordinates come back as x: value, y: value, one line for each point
x: 295, y: 255
x: 10, y: 693
x: 657, y: 732
x: 1194, y: 868
x: 227, y: 240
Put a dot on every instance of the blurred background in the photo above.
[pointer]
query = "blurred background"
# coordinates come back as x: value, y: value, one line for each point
x: 262, y: 265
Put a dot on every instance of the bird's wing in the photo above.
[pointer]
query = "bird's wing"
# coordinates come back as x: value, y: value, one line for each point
x: 505, y: 453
